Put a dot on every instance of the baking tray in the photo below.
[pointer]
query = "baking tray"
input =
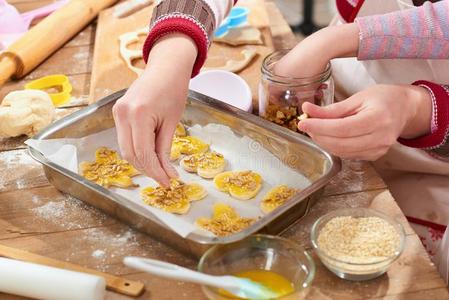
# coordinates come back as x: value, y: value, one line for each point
x: 295, y: 150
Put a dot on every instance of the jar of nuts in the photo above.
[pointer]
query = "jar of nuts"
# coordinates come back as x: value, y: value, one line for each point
x: 281, y: 98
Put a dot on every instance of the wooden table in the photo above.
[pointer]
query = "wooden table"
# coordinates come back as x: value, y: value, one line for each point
x: 34, y: 216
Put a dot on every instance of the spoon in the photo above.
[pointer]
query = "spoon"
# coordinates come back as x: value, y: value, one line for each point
x: 239, y: 287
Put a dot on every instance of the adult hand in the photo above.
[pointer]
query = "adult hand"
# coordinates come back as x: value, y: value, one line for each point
x: 367, y: 124
x: 146, y: 116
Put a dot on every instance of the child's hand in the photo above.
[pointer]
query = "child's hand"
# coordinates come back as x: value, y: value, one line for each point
x: 367, y: 124
x: 146, y: 116
x: 311, y: 56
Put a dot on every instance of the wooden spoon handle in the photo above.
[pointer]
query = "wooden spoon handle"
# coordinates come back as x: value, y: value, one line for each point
x: 113, y: 283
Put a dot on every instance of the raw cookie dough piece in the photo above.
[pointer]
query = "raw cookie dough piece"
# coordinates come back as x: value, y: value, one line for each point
x: 236, y: 65
x: 276, y: 197
x: 129, y: 55
x: 207, y: 164
x: 187, y: 145
x: 173, y: 199
x: 246, y: 35
x: 109, y: 169
x: 225, y: 221
x: 25, y: 112
x: 241, y: 185
x: 180, y: 130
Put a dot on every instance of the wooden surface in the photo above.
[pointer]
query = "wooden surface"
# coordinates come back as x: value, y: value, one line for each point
x: 109, y: 70
x: 37, y: 218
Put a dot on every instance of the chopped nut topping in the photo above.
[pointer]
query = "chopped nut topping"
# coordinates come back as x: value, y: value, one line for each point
x: 225, y: 221
x: 279, y: 196
x: 108, y: 169
x: 282, y: 115
x: 242, y: 179
x: 177, y: 196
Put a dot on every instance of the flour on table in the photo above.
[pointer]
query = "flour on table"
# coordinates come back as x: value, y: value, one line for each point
x: 99, y: 254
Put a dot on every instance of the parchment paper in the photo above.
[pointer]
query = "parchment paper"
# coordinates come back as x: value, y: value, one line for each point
x: 241, y: 153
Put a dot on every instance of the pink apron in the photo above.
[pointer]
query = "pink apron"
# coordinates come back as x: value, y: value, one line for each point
x: 418, y: 182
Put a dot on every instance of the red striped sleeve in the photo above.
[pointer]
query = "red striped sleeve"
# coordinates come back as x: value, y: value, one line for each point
x: 180, y: 25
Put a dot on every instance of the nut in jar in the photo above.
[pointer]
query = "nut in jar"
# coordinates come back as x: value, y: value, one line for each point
x: 281, y: 98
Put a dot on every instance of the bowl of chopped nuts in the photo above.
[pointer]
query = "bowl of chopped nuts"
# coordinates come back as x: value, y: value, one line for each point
x: 357, y: 243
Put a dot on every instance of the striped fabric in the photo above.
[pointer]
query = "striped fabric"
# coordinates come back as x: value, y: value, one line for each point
x: 436, y: 143
x: 421, y: 32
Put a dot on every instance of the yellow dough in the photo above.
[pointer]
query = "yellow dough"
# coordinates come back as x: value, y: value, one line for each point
x: 207, y: 164
x: 180, y: 130
x: 173, y: 199
x: 225, y: 221
x: 25, y: 112
x: 241, y: 185
x: 109, y: 169
x: 276, y: 197
x: 187, y: 145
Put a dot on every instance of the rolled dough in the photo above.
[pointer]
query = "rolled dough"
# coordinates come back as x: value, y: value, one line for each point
x: 236, y: 65
x: 246, y: 35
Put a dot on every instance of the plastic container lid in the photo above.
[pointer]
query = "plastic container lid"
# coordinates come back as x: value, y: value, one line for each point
x: 224, y: 86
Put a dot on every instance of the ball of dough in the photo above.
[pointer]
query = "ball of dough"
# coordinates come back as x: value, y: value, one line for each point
x: 25, y: 112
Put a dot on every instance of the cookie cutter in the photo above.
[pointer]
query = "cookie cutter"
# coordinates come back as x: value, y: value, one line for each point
x: 58, y: 81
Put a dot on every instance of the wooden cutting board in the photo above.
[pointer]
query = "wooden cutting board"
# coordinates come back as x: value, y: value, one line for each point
x: 110, y: 73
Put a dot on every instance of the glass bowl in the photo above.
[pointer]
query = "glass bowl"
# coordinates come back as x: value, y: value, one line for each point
x: 361, y: 270
x: 260, y: 252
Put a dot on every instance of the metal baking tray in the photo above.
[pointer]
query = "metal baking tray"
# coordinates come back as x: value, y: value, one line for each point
x: 295, y: 150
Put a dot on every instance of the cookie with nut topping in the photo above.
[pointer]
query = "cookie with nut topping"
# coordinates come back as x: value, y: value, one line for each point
x: 187, y: 145
x: 276, y: 197
x: 206, y: 165
x: 109, y: 169
x: 173, y: 199
x: 242, y: 185
x: 225, y: 221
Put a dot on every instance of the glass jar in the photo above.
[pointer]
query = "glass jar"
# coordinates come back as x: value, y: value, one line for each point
x: 281, y: 98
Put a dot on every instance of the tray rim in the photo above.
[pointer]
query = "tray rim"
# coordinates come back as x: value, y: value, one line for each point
x: 335, y: 163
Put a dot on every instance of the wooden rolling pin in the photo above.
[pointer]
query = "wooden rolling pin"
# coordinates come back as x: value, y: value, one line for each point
x: 113, y: 283
x: 48, y: 36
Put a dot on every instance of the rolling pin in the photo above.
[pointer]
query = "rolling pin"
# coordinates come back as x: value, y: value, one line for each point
x: 113, y: 283
x: 48, y: 36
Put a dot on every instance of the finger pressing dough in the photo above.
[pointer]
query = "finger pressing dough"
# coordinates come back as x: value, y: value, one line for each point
x: 246, y: 35
x: 25, y: 112
x: 276, y: 197
x: 236, y: 65
x: 242, y: 185
x: 129, y: 55
x: 109, y: 169
x: 225, y: 221
x: 174, y: 199
x: 207, y: 164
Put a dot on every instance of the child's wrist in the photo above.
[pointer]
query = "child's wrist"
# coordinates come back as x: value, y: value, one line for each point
x: 420, y: 113
x: 174, y: 51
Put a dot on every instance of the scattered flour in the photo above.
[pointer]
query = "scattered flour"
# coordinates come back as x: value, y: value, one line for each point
x: 51, y: 210
x: 99, y: 254
x: 15, y: 164
x: 70, y: 213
